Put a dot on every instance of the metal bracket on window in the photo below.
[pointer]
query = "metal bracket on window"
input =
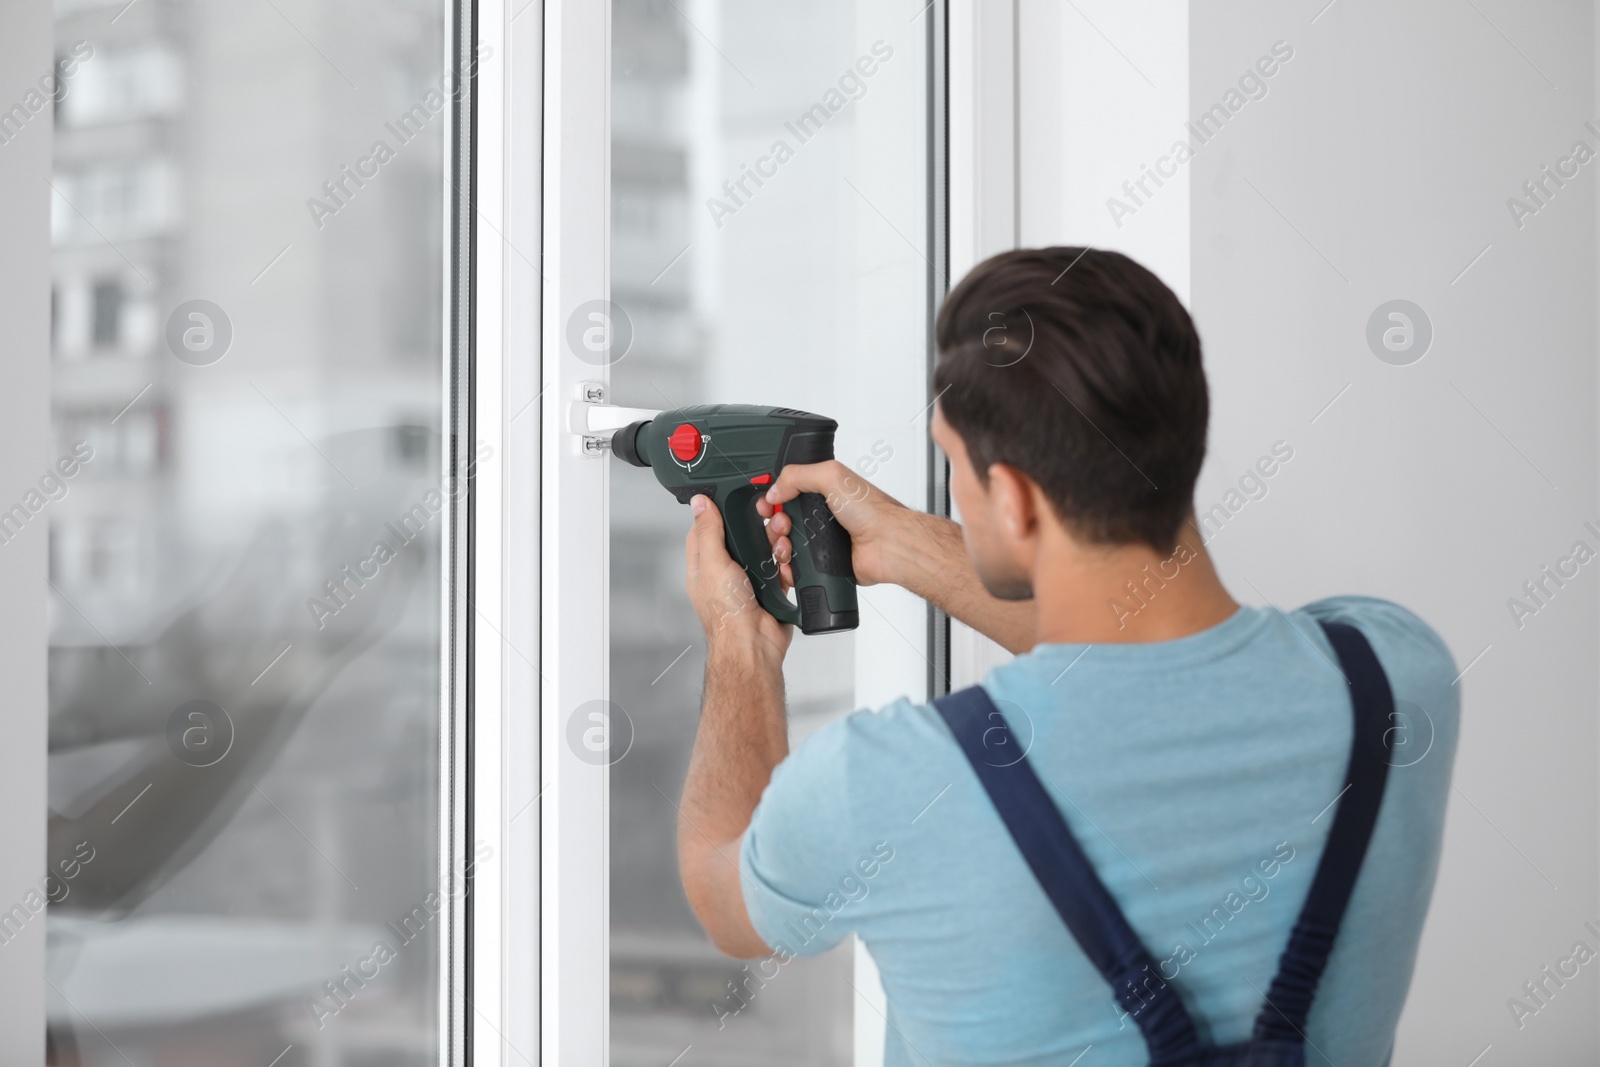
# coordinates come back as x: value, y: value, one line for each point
x: 593, y: 420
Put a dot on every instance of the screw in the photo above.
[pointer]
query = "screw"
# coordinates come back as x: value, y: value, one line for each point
x: 594, y: 392
x: 596, y: 446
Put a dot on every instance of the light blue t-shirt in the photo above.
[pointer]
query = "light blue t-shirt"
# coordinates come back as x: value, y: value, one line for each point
x: 1199, y: 777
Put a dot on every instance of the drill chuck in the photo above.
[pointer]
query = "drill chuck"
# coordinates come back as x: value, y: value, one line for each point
x: 625, y: 443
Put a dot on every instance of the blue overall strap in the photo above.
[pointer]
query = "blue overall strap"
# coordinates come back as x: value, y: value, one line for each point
x: 1068, y: 879
x: 1283, y: 1017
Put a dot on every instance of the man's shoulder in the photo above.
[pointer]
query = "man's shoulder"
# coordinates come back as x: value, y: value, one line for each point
x: 873, y: 741
x: 1415, y: 658
x: 1395, y: 632
x: 835, y: 810
x: 864, y: 770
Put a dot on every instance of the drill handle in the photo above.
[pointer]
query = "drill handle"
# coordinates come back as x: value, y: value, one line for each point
x: 824, y: 579
x: 746, y: 538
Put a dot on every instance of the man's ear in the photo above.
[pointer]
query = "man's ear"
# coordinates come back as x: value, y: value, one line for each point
x: 1012, y: 498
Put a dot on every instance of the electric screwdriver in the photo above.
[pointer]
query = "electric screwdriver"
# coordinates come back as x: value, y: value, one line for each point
x: 731, y: 453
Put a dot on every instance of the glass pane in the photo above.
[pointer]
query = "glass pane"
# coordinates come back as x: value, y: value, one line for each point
x: 769, y: 244
x: 245, y: 527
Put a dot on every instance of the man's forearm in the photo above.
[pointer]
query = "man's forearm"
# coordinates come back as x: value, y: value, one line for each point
x: 743, y: 735
x: 933, y: 564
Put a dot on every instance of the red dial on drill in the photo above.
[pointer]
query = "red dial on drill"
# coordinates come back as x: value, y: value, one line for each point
x: 685, y: 442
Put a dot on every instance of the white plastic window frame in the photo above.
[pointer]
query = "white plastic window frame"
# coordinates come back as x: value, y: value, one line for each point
x: 501, y: 1001
x: 574, y: 542
x: 27, y: 39
x: 539, y: 920
x: 984, y: 115
x: 538, y: 969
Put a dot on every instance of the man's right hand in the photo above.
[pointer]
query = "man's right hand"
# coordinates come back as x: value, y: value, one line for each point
x: 877, y: 522
x: 891, y: 543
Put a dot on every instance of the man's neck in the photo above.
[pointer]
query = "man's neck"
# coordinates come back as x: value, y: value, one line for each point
x: 1127, y: 593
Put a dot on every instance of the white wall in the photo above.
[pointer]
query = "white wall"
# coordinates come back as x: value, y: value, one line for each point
x: 1104, y: 91
x: 1391, y: 142
x: 26, y: 34
x: 1378, y: 166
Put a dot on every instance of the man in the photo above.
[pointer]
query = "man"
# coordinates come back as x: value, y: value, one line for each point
x: 1197, y: 750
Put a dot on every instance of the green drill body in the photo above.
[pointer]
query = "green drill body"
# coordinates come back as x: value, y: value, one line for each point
x: 731, y: 453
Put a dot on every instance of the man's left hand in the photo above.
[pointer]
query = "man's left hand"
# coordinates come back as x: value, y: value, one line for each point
x: 721, y: 591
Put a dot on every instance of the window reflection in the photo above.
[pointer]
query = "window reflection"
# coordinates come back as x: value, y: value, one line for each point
x: 244, y: 709
x: 790, y: 291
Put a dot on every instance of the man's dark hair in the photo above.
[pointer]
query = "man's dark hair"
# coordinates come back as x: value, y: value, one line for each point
x: 1080, y: 369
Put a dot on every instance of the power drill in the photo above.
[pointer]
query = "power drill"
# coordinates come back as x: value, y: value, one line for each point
x: 731, y: 453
